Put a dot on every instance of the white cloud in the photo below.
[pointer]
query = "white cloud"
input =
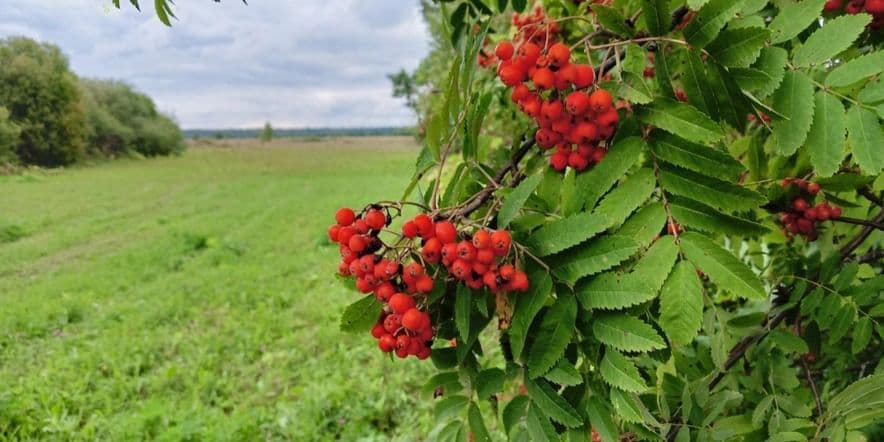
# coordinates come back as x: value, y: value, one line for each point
x: 295, y: 63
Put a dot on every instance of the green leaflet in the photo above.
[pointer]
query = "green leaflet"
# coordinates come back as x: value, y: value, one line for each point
x: 596, y: 256
x: 794, y: 99
x: 862, y: 335
x: 463, y: 308
x: 681, y: 119
x: 826, y: 140
x: 634, y: 89
x: 626, y: 333
x: 629, y: 195
x: 662, y: 72
x: 709, y: 21
x: 696, y: 84
x: 600, y: 419
x: 656, y: 16
x: 772, y: 61
x: 612, y: 291
x: 527, y: 306
x: 514, y: 411
x: 361, y: 315
x: 710, y: 191
x: 723, y: 268
x: 539, y: 427
x: 489, y: 382
x: 477, y: 424
x: 702, y: 217
x: 516, y: 199
x: 644, y: 226
x: 698, y: 158
x: 620, y: 158
x: 794, y: 18
x: 564, y: 373
x: 620, y: 372
x: 873, y: 93
x: 551, y: 404
x: 612, y: 19
x: 628, y: 406
x: 449, y: 407
x: 681, y: 305
x: 554, y: 335
x: 564, y: 233
x: 738, y: 47
x: 859, y: 68
x: 830, y: 40
x: 865, y: 139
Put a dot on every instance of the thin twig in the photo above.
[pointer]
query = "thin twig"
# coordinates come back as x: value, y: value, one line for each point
x: 859, y: 222
x: 816, y: 394
x: 849, y: 248
x: 867, y: 194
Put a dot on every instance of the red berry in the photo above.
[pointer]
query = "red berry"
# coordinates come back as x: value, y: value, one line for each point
x: 577, y: 103
x: 414, y: 270
x: 425, y: 226
x: 485, y: 256
x: 344, y: 235
x: 410, y: 230
x: 481, y: 239
x: 520, y: 92
x: 543, y: 79
x: 836, y: 212
x: 552, y: 109
x: 480, y: 268
x: 460, y: 269
x: 507, y: 271
x: 401, y: 303
x: 805, y: 226
x: 577, y: 161
x: 401, y: 353
x: 449, y: 252
x: 424, y: 353
x: 875, y: 6
x: 357, y: 243
x: 600, y: 101
x: 392, y: 323
x: 800, y: 204
x: 366, y: 264
x: 519, y: 282
x: 833, y: 5
x: 333, y: 232
x: 813, y: 188
x: 424, y: 284
x: 413, y: 320
x: 432, y: 250
x: 445, y: 232
x: 500, y: 242
x: 530, y: 52
x: 490, y: 280
x: 504, y: 50
x: 814, y: 213
x: 403, y: 342
x: 559, y: 161
x: 376, y: 219
x: 585, y: 76
x: 466, y: 251
x: 378, y: 330
x: 384, y: 291
x: 387, y: 343
x: 345, y: 216
x: 361, y: 226
x: 560, y: 53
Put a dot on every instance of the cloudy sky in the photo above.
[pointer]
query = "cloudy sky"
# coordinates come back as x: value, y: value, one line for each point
x: 296, y: 63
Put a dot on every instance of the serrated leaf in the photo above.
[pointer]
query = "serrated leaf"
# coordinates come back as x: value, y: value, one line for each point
x: 539, y: 427
x: 463, y: 309
x: 710, y: 191
x: 629, y: 195
x: 794, y: 18
x: 862, y: 334
x: 594, y: 257
x: 794, y: 99
x: 751, y: 79
x: 723, y: 268
x: 681, y: 119
x: 738, y: 47
x: 709, y: 21
x: 634, y: 89
x: 626, y: 333
x: 361, y: 315
x: 771, y: 61
x: 662, y: 72
x: 514, y: 411
x: 656, y: 16
x: 593, y: 184
x: 449, y: 406
x: 681, y: 305
x: 564, y: 233
x: 612, y: 291
x: 698, y: 158
x: 702, y: 217
x: 858, y: 395
x: 760, y: 412
x: 826, y: 140
x: 620, y: 372
x: 449, y: 381
x: 564, y: 373
x: 696, y: 85
x: 527, y: 306
x: 859, y: 68
x: 551, y: 404
x: 627, y: 406
x: 516, y: 199
x: 477, y: 424
x: 612, y: 20
x: 865, y: 139
x: 830, y: 40
x: 873, y: 93
x: 601, y: 421
x: 489, y: 382
x: 553, y: 336
x: 644, y: 226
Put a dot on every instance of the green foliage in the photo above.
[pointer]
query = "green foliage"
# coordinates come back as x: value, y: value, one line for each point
x: 9, y: 133
x: 267, y: 133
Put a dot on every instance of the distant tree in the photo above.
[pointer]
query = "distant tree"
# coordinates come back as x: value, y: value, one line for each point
x: 9, y: 133
x: 44, y: 100
x: 405, y: 86
x: 267, y: 133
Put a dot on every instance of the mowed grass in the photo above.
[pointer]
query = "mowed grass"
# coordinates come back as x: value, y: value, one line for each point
x: 194, y: 298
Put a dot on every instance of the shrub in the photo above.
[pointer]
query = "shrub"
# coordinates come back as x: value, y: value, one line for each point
x: 9, y: 133
x: 44, y: 101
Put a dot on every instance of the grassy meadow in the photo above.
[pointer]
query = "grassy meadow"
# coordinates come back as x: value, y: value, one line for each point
x: 193, y: 298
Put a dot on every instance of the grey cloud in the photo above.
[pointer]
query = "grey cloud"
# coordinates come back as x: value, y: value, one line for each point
x: 295, y: 63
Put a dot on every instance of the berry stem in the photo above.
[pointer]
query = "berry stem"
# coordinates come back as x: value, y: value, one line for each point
x: 859, y: 222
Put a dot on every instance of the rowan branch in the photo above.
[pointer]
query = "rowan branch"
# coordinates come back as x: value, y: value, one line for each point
x: 859, y: 222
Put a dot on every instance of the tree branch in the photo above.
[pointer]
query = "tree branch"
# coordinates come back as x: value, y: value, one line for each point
x: 867, y: 194
x: 859, y: 222
x: 849, y: 248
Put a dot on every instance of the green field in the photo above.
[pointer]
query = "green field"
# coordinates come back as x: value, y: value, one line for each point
x: 193, y: 298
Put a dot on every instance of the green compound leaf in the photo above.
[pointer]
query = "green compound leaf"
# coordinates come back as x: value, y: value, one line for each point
x: 826, y: 140
x: 699, y: 216
x: 696, y: 157
x: 618, y: 371
x: 722, y: 267
x: 830, y: 40
x: 710, y: 191
x: 738, y: 47
x: 794, y: 18
x: 682, y: 120
x: 681, y: 304
x: 865, y: 139
x: 596, y: 256
x: 794, y: 99
x: 626, y: 333
x: 554, y: 335
x: 551, y: 404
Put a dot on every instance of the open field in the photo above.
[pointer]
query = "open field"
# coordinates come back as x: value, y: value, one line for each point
x: 192, y: 298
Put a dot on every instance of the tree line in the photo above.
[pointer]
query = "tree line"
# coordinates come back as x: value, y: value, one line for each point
x: 50, y: 117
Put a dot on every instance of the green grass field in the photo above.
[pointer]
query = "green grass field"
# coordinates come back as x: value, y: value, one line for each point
x: 193, y: 298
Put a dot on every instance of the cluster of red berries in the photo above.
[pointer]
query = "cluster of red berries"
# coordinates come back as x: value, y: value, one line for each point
x: 553, y: 91
x: 402, y: 326
x: 802, y: 216
x: 478, y: 261
x: 873, y: 7
x: 535, y: 27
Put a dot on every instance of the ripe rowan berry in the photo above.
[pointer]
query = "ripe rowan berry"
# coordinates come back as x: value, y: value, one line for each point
x: 446, y: 232
x: 410, y: 230
x: 344, y: 235
x: 360, y: 226
x: 600, y: 101
x: 376, y: 219
x: 543, y: 79
x: 460, y: 269
x: 813, y: 188
x: 425, y: 226
x: 401, y: 303
x: 559, y: 161
x: 519, y: 282
x: 384, y: 291
x: 530, y: 52
x: 800, y: 204
x: 345, y: 216
x: 504, y: 50
x: 577, y: 103
x: 500, y: 242
x: 378, y: 330
x: 413, y: 320
x: 333, y: 232
x: 392, y: 323
x: 357, y: 243
x: 387, y: 343
x: 431, y: 251
x: 520, y: 92
x: 506, y: 272
x: 481, y: 239
x: 466, y: 250
x: 559, y: 53
x: 585, y: 76
x: 485, y: 256
x: 424, y: 284
x: 414, y: 270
